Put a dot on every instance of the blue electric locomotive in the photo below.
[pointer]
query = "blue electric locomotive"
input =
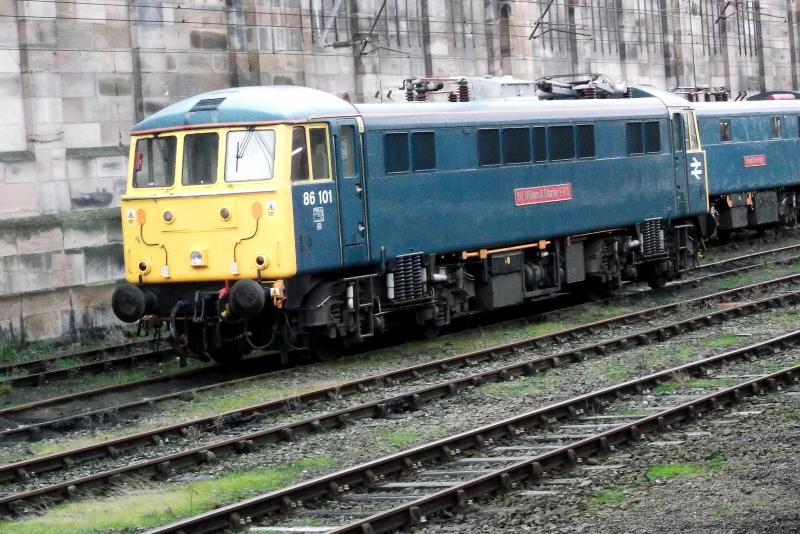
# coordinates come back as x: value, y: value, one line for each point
x: 398, y: 214
x: 752, y: 149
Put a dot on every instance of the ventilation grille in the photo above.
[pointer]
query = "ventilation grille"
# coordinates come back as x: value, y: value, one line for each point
x: 408, y: 278
x: 207, y: 104
x: 652, y: 238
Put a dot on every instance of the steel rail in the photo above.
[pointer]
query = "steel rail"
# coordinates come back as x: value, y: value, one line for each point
x: 34, y: 430
x: 164, y: 465
x: 531, y: 470
x: 110, y: 448
x: 42, y: 364
x: 119, y: 362
x: 371, y: 473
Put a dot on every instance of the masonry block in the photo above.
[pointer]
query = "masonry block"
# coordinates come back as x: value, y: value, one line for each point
x: 103, y: 264
x: 68, y: 269
x: 83, y: 236
x: 32, y: 241
x: 19, y: 199
x: 54, y: 197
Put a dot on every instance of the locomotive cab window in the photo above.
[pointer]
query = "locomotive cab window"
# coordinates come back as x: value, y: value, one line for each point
x: 250, y: 155
x: 299, y: 154
x: 488, y: 147
x: 560, y: 142
x: 395, y: 152
x: 776, y: 128
x: 516, y: 145
x: 154, y: 162
x: 200, y: 153
x: 347, y: 148
x: 725, y: 130
x: 320, y: 162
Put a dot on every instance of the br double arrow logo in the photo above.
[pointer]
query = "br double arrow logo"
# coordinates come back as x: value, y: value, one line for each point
x: 697, y: 168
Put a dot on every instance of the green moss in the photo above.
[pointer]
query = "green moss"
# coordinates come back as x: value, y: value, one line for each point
x: 667, y: 471
x: 664, y: 389
x: 723, y: 341
x: 527, y: 385
x: 152, y: 506
x: 403, y: 437
x: 608, y: 496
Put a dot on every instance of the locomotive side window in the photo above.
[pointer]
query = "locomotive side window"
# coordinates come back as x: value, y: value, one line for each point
x: 347, y: 149
x: 560, y: 142
x: 725, y: 130
x: 488, y: 147
x: 516, y: 145
x: 200, y: 153
x: 154, y: 162
x: 320, y: 168
x: 299, y: 154
x: 633, y: 137
x: 395, y: 152
x: 652, y: 137
x: 423, y: 151
x: 584, y: 139
x: 250, y: 155
x: 539, y: 144
x: 776, y: 128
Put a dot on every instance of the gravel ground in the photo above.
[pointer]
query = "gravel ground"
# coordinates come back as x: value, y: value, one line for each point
x: 746, y: 480
x: 505, y: 397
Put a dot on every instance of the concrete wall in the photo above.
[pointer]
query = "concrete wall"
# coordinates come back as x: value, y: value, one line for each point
x: 75, y: 76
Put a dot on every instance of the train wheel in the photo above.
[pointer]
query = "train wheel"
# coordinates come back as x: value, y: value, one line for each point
x: 430, y: 331
x: 657, y: 282
x: 227, y: 354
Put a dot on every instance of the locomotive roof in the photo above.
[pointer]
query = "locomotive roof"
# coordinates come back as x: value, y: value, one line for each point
x: 257, y: 104
x: 754, y: 107
x: 266, y: 104
x: 381, y: 116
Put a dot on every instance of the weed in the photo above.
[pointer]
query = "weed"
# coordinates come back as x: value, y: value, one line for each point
x: 151, y: 506
x: 527, y: 385
x: 608, y: 496
x: 667, y: 471
x: 723, y: 341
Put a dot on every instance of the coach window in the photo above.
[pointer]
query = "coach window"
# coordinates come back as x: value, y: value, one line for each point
x: 488, y: 147
x: 250, y: 155
x: 633, y: 137
x: 154, y: 162
x: 539, y: 144
x: 776, y: 128
x: 725, y: 130
x: 516, y: 145
x: 423, y: 151
x: 200, y: 153
x: 299, y: 154
x: 584, y: 140
x: 320, y: 162
x: 395, y: 152
x: 652, y: 137
x: 560, y: 142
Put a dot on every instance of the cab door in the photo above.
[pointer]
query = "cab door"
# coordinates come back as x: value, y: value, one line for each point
x: 691, y: 178
x: 352, y: 196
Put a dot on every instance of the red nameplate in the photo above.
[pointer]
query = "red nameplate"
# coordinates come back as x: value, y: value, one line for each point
x: 539, y: 195
x: 758, y: 160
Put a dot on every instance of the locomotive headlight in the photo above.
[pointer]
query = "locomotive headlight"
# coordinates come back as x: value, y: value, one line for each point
x: 197, y: 258
x: 143, y: 266
x: 224, y: 214
x: 168, y: 217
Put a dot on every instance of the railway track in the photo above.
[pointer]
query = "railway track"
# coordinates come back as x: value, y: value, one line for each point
x: 165, y: 465
x: 33, y: 419
x: 49, y: 369
x: 21, y: 421
x: 385, y: 482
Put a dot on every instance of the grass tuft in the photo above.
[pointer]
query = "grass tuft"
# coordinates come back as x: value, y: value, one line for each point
x: 608, y: 496
x: 667, y: 471
x: 151, y: 506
